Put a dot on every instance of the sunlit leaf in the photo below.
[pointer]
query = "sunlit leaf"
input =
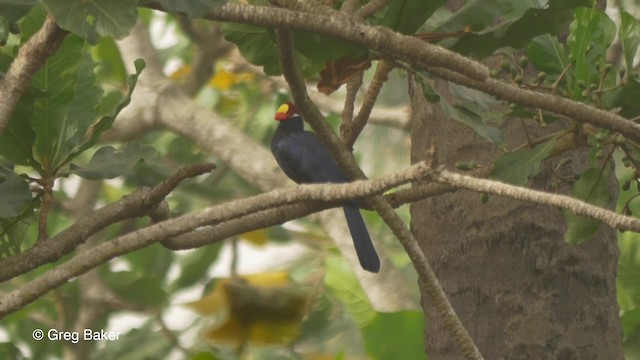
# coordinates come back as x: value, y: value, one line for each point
x: 340, y: 279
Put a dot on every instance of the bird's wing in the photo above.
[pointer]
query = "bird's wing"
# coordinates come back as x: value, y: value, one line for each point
x: 305, y: 159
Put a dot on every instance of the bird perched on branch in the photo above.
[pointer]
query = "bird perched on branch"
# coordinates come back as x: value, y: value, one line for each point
x: 305, y: 159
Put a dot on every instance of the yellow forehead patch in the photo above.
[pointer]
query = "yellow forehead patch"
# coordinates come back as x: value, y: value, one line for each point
x: 284, y: 108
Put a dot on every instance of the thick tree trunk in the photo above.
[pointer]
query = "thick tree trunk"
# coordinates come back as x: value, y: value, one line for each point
x: 519, y: 289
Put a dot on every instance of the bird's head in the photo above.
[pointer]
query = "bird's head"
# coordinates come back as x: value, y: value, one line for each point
x: 286, y: 111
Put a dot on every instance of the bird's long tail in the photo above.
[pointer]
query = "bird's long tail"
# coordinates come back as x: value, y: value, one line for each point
x: 361, y: 240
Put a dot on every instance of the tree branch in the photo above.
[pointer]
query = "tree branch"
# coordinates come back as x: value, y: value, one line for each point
x: 134, y: 205
x: 102, y: 253
x: 30, y: 58
x: 579, y: 207
x: 422, y: 56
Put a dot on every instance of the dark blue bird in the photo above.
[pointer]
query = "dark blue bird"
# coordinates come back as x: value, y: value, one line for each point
x: 305, y: 159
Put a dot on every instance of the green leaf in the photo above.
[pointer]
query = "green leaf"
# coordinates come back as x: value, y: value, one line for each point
x: 398, y: 335
x: 516, y: 167
x: 340, y: 279
x: 518, y: 23
x: 13, y: 231
x: 10, y: 13
x: 407, y: 16
x: 627, y: 98
x: 592, y: 187
x: 629, y: 34
x: 82, y: 109
x: 16, y: 142
x: 154, y: 259
x: 93, y: 19
x: 57, y: 79
x: 15, y: 194
x: 256, y: 44
x: 14, y: 10
x: 194, y: 265
x: 590, y: 35
x: 106, y: 122
x: 193, y: 8
x: 314, y: 46
x: 144, y: 289
x: 108, y: 163
x: 547, y: 54
x: 472, y: 119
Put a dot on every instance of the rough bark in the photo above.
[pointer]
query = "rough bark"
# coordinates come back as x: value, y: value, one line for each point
x: 520, y: 290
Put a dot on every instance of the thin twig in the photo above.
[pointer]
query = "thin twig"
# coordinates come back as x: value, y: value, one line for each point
x: 370, y: 97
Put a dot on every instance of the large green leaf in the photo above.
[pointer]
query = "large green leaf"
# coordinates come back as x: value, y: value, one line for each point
x: 629, y: 34
x: 193, y: 8
x: 93, y: 19
x: 516, y: 167
x: 108, y: 163
x: 592, y: 187
x: 256, y: 44
x: 590, y: 34
x: 407, y: 16
x: 58, y: 80
x: 627, y: 98
x: 398, y: 335
x: 340, y: 279
x: 16, y: 142
x: 519, y: 22
x: 15, y: 194
x: 106, y: 122
x: 547, y: 54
